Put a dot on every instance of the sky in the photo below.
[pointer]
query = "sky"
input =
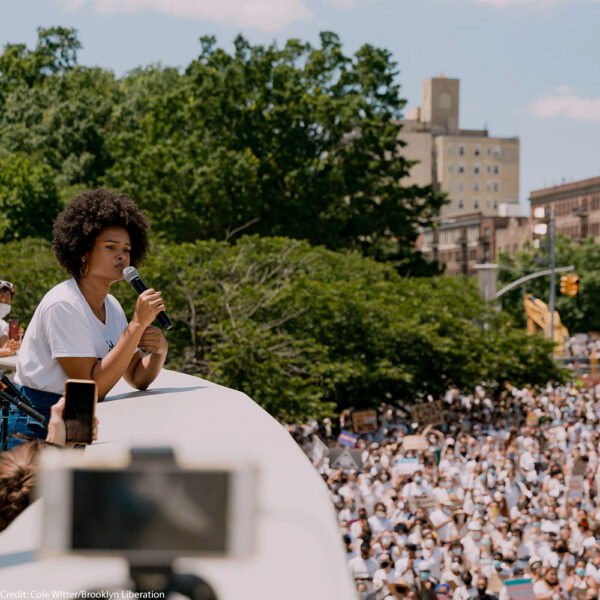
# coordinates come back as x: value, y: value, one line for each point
x: 527, y: 68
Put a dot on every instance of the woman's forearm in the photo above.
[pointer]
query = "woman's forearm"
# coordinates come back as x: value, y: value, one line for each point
x: 112, y: 367
x: 147, y: 369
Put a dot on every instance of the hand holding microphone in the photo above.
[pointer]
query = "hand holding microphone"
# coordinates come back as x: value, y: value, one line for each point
x: 150, y: 304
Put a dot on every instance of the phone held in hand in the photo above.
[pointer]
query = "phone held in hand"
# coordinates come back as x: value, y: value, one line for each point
x: 81, y: 396
x: 13, y: 329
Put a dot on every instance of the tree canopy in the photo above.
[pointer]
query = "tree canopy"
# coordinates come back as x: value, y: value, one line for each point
x: 579, y: 313
x: 306, y: 331
x: 296, y: 141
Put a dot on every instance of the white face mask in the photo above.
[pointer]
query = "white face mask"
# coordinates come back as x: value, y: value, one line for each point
x: 429, y: 543
x: 4, y: 309
x: 380, y: 514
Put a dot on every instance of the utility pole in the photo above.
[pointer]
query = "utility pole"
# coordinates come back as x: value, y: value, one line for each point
x: 552, y: 243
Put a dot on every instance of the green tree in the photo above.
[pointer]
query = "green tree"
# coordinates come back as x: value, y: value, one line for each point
x: 306, y: 331
x: 55, y: 52
x: 578, y: 313
x: 28, y: 198
x: 297, y: 141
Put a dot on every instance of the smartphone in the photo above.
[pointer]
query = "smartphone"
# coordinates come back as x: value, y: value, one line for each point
x: 81, y: 396
x: 149, y: 514
x: 13, y: 329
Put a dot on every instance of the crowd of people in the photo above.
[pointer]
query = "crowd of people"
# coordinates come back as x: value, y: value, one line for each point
x: 503, y: 490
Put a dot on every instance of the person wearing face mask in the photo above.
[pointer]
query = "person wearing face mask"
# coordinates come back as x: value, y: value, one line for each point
x: 440, y: 518
x: 425, y: 582
x: 8, y: 347
x: 417, y: 487
x: 406, y: 566
x: 457, y: 528
x: 577, y: 583
x: 363, y: 567
x: 471, y: 544
x: 482, y: 593
x: 383, y: 576
x: 549, y: 588
x: 379, y: 521
x: 385, y: 544
x: 452, y: 571
x: 466, y: 590
x: 432, y: 553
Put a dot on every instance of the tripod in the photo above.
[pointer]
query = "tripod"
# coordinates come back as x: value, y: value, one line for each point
x: 9, y: 394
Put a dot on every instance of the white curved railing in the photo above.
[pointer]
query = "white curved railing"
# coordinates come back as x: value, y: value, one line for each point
x: 298, y: 551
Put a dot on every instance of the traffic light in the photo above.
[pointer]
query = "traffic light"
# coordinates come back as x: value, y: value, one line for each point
x: 564, y: 284
x: 574, y: 285
x: 569, y: 285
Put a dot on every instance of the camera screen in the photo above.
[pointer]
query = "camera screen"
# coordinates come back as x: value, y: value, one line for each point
x: 149, y: 509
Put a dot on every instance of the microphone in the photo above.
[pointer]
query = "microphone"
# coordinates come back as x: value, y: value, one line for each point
x: 131, y: 275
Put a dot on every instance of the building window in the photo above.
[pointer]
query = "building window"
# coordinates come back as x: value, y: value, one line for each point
x: 476, y: 186
x: 496, y: 186
x: 489, y: 186
x: 461, y: 186
x: 477, y: 151
x: 489, y: 151
x: 495, y: 204
x: 496, y: 150
x: 489, y: 167
x: 450, y: 168
x: 486, y: 233
x: 449, y: 148
x: 461, y: 150
x: 461, y: 204
x: 496, y: 169
x: 487, y: 203
x: 461, y: 168
x: 476, y: 169
x: 475, y: 203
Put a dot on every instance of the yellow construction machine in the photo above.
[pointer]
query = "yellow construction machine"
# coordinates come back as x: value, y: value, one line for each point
x: 538, y: 318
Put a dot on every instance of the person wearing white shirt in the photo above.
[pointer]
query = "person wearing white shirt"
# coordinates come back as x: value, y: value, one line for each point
x: 79, y: 331
x: 363, y: 567
x: 379, y: 521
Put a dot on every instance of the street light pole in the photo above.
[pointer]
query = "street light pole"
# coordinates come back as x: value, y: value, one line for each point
x: 552, y: 244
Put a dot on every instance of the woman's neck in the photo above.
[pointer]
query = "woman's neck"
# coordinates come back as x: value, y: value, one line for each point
x: 94, y: 291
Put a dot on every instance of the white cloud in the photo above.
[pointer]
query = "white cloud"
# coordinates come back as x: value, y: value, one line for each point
x: 563, y: 102
x: 264, y: 15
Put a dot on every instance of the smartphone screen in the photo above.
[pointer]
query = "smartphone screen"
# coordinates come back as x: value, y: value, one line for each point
x: 80, y: 406
x: 165, y: 510
x: 13, y: 329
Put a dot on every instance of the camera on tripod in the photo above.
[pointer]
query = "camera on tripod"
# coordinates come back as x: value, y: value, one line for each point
x: 150, y: 510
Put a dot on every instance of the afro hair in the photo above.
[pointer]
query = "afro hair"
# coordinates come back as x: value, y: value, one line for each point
x: 79, y: 224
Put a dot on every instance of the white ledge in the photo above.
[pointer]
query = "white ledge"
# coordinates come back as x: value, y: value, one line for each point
x: 298, y: 551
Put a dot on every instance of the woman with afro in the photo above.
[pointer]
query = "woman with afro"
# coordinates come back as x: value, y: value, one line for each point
x: 79, y: 331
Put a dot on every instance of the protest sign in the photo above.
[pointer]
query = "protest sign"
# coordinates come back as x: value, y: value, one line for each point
x: 427, y: 502
x: 429, y: 413
x: 575, y: 487
x: 364, y: 421
x: 348, y: 439
x: 345, y: 458
x: 407, y: 466
x: 519, y: 589
x: 532, y: 420
x: 318, y: 451
x: 415, y: 442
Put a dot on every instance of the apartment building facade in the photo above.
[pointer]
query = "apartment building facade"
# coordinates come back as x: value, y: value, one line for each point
x: 577, y: 207
x: 478, y: 172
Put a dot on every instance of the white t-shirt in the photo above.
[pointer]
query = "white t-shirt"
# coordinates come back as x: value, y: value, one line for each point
x: 3, y: 328
x: 64, y: 325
